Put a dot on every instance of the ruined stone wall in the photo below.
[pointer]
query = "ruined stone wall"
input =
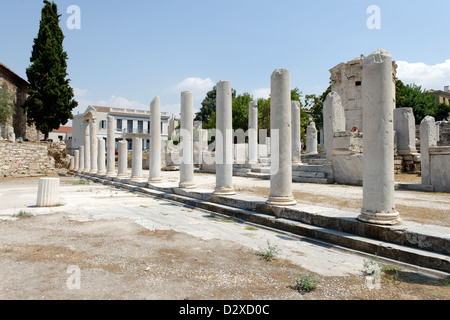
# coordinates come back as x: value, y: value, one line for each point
x: 25, y: 159
x: 19, y: 119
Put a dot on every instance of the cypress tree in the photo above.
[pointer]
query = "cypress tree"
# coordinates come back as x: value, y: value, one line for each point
x: 50, y: 101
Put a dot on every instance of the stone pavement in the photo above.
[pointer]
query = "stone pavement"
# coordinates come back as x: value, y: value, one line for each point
x: 409, y: 242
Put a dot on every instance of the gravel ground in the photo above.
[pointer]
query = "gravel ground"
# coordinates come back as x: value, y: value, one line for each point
x: 116, y: 251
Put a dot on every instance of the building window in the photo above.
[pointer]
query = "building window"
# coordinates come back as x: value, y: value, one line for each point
x: 130, y: 126
x: 141, y: 126
x: 103, y: 124
x: 358, y: 83
x: 119, y: 124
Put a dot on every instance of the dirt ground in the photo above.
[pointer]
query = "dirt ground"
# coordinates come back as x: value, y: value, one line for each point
x: 119, y: 259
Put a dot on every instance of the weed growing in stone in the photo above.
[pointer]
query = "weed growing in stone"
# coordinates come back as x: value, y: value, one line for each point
x: 22, y: 214
x: 269, y: 252
x: 305, y: 283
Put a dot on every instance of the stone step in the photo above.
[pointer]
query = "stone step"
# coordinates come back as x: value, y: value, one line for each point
x: 258, y: 175
x: 323, y: 225
x: 312, y: 180
x: 309, y: 174
x: 261, y: 169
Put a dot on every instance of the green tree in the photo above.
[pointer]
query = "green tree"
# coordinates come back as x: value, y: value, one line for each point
x: 240, y: 111
x: 7, y: 108
x: 208, y: 108
x: 412, y: 96
x: 442, y: 112
x: 315, y: 105
x: 50, y: 101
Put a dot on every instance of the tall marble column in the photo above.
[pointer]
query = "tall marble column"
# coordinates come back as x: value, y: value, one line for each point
x: 122, y: 171
x: 136, y: 160
x: 311, y: 138
x: 281, y: 136
x: 333, y: 121
x: 187, y: 141
x: 295, y: 132
x: 111, y: 149
x: 81, y: 162
x: 87, y: 146
x: 378, y: 107
x: 427, y: 140
x: 155, y: 141
x: 253, y: 133
x: 101, y: 156
x: 224, y: 139
x: 76, y: 155
x: 94, y: 144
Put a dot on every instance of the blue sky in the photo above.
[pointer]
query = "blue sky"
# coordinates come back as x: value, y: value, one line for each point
x: 128, y: 52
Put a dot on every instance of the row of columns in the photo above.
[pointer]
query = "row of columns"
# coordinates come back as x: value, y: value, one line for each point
x: 378, y: 186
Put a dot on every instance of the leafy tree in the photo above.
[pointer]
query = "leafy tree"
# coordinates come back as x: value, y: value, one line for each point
x: 315, y: 105
x: 412, y: 96
x: 240, y: 111
x: 7, y: 108
x: 50, y: 101
x: 442, y: 112
x: 208, y: 107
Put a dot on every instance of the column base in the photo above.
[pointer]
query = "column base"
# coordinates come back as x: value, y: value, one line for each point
x: 297, y: 162
x: 187, y: 185
x: 281, y: 201
x: 381, y: 218
x: 137, y: 178
x: 121, y: 177
x: 111, y: 174
x: 224, y: 191
x: 155, y: 180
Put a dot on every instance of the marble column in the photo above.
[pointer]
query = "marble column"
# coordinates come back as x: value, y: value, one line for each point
x: 81, y: 162
x: 224, y: 139
x: 87, y: 146
x: 136, y: 160
x: 155, y: 141
x: 48, y: 192
x: 187, y: 141
x: 281, y: 136
x: 405, y: 128
x: 101, y: 156
x: 253, y: 133
x: 333, y: 121
x: 311, y: 139
x: 427, y: 140
x: 111, y: 149
x: 123, y: 159
x: 296, y: 133
x: 94, y: 144
x: 378, y: 107
x: 76, y: 155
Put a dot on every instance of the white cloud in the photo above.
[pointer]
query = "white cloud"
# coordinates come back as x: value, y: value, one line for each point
x: 79, y: 92
x: 429, y: 77
x: 261, y: 93
x: 199, y: 87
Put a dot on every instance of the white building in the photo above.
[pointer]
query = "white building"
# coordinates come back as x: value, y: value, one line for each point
x: 129, y: 123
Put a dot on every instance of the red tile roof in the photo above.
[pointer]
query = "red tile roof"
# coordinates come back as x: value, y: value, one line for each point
x: 63, y: 129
